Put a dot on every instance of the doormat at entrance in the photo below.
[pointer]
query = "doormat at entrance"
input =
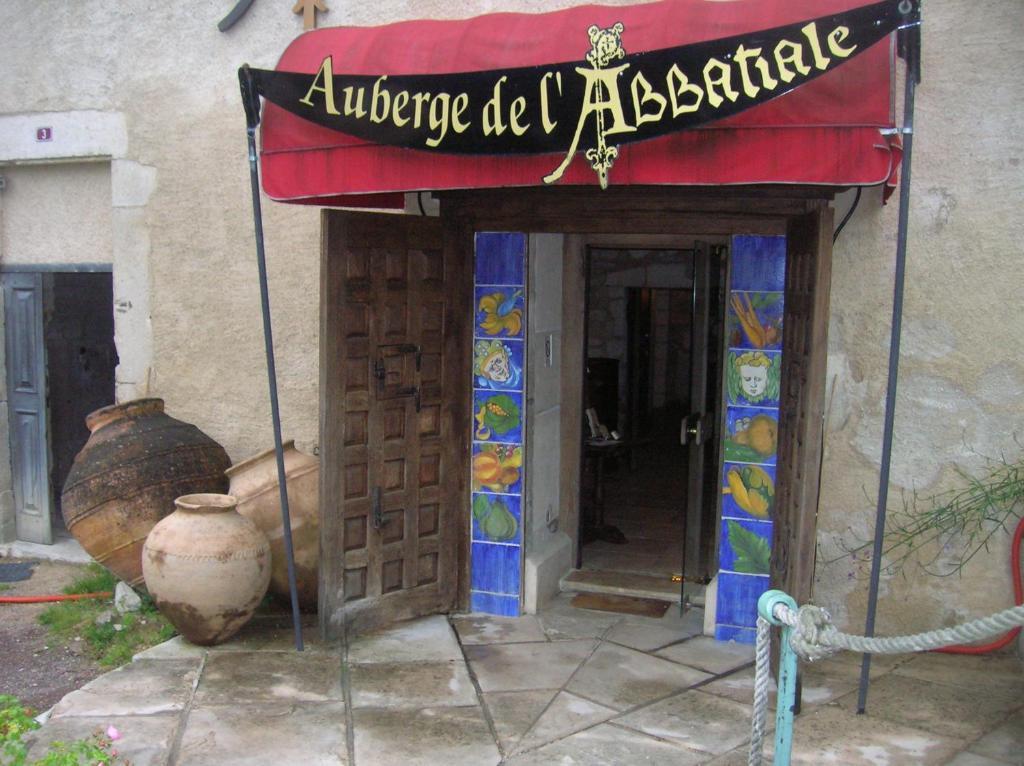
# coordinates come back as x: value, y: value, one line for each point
x: 607, y: 602
x: 16, y: 571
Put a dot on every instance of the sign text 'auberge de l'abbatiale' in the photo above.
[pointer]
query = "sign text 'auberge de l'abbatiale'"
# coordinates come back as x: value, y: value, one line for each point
x: 621, y: 97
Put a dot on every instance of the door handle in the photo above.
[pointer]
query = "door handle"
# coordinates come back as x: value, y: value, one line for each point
x: 692, y: 430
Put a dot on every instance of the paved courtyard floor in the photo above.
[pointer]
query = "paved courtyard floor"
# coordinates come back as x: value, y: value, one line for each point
x: 566, y: 687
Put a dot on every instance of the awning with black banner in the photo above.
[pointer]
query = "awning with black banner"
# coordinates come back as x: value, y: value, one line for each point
x: 676, y: 92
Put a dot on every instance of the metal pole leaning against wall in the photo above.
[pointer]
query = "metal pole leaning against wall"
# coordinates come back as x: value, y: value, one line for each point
x: 251, y: 102
x: 909, y: 38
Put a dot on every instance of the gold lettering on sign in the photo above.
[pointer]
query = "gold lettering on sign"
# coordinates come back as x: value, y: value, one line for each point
x: 616, y: 99
x: 606, y: 46
x: 322, y: 83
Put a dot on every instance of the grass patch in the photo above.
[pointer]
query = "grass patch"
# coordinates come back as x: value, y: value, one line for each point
x: 112, y: 643
x: 4, y: 586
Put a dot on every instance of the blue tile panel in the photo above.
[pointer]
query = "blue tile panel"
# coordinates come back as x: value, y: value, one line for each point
x: 739, y: 635
x: 498, y: 425
x: 737, y: 598
x: 753, y: 378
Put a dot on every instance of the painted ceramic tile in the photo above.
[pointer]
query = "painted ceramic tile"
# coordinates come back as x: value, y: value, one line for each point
x: 758, y: 263
x: 498, y: 417
x: 737, y: 634
x: 498, y: 364
x: 755, y: 320
x: 737, y: 599
x: 500, y: 312
x: 491, y: 603
x: 497, y: 518
x: 751, y: 435
x: 500, y: 258
x: 748, y: 491
x: 753, y: 377
x: 498, y: 468
x: 495, y: 568
x: 746, y: 546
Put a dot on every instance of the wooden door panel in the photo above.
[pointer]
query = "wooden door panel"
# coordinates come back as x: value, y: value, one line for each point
x: 391, y: 395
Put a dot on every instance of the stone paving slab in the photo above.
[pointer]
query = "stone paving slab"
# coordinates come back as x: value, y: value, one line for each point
x: 567, y: 714
x: 830, y: 734
x: 146, y: 740
x: 310, y: 734
x: 1005, y: 742
x: 623, y: 678
x: 449, y: 736
x: 995, y: 672
x: 139, y: 688
x: 517, y: 667
x: 707, y: 654
x: 645, y: 636
x: 430, y: 639
x: 962, y: 712
x: 232, y: 677
x: 696, y: 720
x: 608, y: 745
x: 513, y: 713
x: 411, y: 685
x: 561, y: 621
x: 487, y: 629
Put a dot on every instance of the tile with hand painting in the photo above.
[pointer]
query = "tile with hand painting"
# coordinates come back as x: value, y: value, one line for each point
x: 748, y: 491
x: 498, y: 417
x: 498, y: 468
x: 746, y: 546
x: 754, y: 320
x: 753, y: 377
x: 497, y: 518
x: 751, y: 435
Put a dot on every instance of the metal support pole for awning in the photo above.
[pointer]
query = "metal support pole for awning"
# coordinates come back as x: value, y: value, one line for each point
x: 910, y: 49
x: 251, y: 101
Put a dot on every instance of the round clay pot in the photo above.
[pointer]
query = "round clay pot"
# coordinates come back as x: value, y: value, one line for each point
x: 206, y: 567
x: 254, y: 483
x: 136, y: 461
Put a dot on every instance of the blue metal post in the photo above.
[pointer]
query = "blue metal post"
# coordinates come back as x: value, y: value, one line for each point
x: 786, y: 699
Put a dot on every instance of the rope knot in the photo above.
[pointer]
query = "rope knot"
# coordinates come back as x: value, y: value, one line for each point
x: 808, y: 637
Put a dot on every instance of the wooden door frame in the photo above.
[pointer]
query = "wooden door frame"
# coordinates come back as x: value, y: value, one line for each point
x: 638, y: 216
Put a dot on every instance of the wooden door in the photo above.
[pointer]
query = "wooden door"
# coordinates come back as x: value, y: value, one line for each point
x: 393, y: 429
x: 26, y: 397
x: 802, y: 401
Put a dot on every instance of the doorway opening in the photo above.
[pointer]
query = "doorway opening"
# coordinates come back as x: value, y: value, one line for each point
x: 61, y: 362
x: 651, y: 394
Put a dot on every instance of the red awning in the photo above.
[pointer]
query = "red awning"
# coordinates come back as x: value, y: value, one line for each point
x: 828, y: 131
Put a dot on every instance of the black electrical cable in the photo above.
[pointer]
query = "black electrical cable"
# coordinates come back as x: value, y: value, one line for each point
x: 419, y: 200
x: 849, y: 214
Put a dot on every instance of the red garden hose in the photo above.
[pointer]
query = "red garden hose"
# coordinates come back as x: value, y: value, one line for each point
x: 1018, y: 599
x: 45, y: 599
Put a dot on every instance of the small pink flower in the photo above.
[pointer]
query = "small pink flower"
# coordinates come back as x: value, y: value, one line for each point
x: 113, y: 733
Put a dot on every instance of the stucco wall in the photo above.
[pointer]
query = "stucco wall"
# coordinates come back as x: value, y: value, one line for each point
x: 189, y: 323
x: 962, y: 363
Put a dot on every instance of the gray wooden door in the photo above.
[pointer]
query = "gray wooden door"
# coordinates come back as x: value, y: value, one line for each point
x: 26, y: 405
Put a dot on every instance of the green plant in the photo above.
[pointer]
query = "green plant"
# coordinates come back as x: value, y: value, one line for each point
x: 111, y: 643
x: 16, y: 721
x: 942, y: 532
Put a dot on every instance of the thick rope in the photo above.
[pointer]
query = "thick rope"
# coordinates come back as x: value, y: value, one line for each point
x: 814, y: 637
x: 761, y: 679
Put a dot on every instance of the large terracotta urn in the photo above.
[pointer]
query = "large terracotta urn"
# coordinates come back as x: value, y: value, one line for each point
x: 254, y: 483
x: 137, y: 460
x: 206, y: 567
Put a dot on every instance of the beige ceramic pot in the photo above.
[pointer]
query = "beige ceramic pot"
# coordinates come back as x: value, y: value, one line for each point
x: 254, y: 483
x: 206, y: 567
